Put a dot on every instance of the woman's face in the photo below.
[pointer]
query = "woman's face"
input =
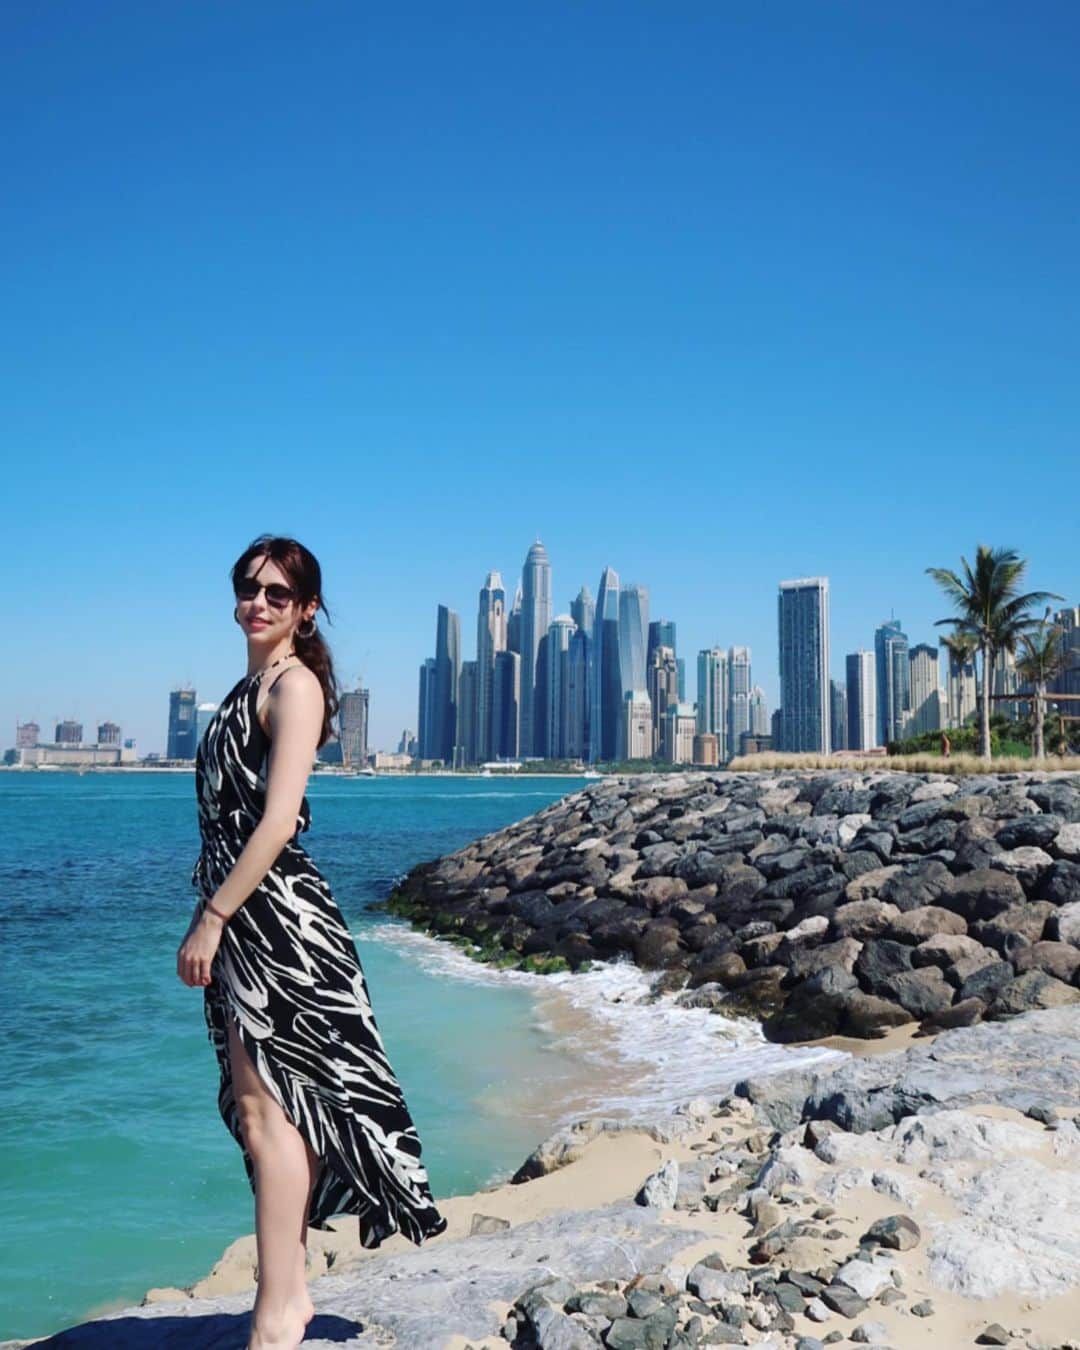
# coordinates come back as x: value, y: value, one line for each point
x: 259, y: 617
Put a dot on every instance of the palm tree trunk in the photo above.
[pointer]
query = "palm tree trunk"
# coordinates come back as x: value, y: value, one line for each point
x: 984, y: 702
x: 1040, y: 717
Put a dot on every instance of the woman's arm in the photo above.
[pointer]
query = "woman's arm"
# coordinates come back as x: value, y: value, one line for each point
x: 295, y: 712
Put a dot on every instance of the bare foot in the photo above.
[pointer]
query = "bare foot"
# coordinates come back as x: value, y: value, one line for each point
x: 282, y: 1332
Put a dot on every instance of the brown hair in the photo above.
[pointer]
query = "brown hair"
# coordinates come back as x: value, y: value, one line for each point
x: 303, y: 570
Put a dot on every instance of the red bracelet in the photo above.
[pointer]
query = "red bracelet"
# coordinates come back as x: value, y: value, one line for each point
x: 223, y: 917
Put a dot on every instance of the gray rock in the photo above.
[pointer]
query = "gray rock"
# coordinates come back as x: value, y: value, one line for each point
x: 916, y: 925
x: 1032, y: 990
x: 995, y: 1334
x: 897, y: 1232
x: 660, y: 1188
x: 983, y: 893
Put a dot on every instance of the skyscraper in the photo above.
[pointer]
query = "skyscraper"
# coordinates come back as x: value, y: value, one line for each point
x: 579, y: 694
x: 447, y: 678
x: 465, y: 748
x: 633, y: 643
x: 803, y: 621
x: 963, y: 699
x: 893, y: 681
x: 559, y: 735
x: 760, y: 723
x: 838, y: 715
x: 607, y: 680
x: 490, y: 639
x: 712, y: 698
x: 663, y: 686
x: 425, y: 719
x: 738, y: 711
x: 535, y: 618
x: 926, y: 699
x: 505, y: 713
x: 353, y: 726
x: 861, y: 701
x: 181, y: 740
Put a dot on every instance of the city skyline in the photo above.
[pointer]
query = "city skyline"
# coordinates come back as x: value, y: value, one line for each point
x: 754, y: 298
x: 449, y: 621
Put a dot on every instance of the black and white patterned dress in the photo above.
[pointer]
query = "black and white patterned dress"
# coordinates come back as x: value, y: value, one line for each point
x: 287, y: 971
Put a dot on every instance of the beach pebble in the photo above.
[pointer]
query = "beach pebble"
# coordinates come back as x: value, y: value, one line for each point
x: 923, y: 1309
x: 995, y: 1334
x: 870, y: 1333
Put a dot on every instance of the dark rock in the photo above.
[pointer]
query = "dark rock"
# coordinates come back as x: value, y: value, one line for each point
x: 869, y: 1017
x: 1024, y: 831
x: 659, y: 946
x: 1060, y: 883
x: 810, y: 960
x: 719, y: 968
x: 879, y: 959
x: 898, y: 1232
x: 995, y: 1334
x: 967, y: 1013
x: 921, y: 992
x: 843, y: 1300
x: 984, y: 984
x: 982, y: 894
x: 1059, y: 799
x: 532, y: 906
x: 930, y: 838
x: 916, y: 885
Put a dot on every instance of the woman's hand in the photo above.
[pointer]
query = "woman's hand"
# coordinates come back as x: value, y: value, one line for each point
x: 198, y: 948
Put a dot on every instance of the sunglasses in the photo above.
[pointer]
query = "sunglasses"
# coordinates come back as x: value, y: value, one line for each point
x: 247, y: 588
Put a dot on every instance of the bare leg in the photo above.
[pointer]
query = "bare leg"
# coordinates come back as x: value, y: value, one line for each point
x: 283, y: 1180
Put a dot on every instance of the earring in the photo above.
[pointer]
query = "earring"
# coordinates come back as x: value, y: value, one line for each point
x: 299, y: 634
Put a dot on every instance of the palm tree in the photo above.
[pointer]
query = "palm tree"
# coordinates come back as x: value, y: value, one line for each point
x: 1043, y: 658
x: 991, y: 612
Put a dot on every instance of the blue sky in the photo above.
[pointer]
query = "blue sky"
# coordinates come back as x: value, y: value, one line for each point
x: 716, y: 294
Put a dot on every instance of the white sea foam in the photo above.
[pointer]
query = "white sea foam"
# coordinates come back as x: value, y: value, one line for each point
x: 665, y: 1054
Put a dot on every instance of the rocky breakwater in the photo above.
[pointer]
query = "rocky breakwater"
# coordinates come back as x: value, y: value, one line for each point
x: 821, y: 903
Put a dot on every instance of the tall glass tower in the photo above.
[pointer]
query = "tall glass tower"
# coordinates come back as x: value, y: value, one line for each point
x: 490, y: 639
x: 607, y: 679
x: 535, y: 618
x: 803, y: 613
x: 893, y: 681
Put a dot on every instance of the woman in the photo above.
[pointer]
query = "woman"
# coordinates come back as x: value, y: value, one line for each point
x: 306, y: 1088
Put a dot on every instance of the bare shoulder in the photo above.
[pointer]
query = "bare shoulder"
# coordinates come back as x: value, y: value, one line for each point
x: 296, y: 690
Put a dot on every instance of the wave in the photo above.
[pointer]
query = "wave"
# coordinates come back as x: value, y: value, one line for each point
x: 664, y: 1054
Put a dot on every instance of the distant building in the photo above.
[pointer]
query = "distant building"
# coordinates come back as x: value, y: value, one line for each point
x: 663, y: 688
x: 861, y: 700
x: 706, y: 751
x: 579, y: 687
x: 506, y: 706
x: 559, y: 734
x: 465, y: 749
x: 893, y: 681
x: 928, y: 712
x: 425, y: 713
x: 961, y: 691
x: 759, y: 713
x: 1068, y: 682
x: 751, y: 744
x: 445, y: 712
x: 607, y: 677
x: 803, y: 621
x: 108, y: 733
x: 204, y: 715
x: 490, y: 640
x: 637, y: 732
x: 535, y: 618
x: 27, y: 735
x: 739, y: 688
x: 353, y: 727
x: 69, y: 733
x: 838, y: 720
x: 677, y: 736
x: 712, y: 699
x: 385, y: 760
x: 180, y: 743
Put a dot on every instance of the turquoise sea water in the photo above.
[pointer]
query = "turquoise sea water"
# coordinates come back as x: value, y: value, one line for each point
x: 118, y: 1172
